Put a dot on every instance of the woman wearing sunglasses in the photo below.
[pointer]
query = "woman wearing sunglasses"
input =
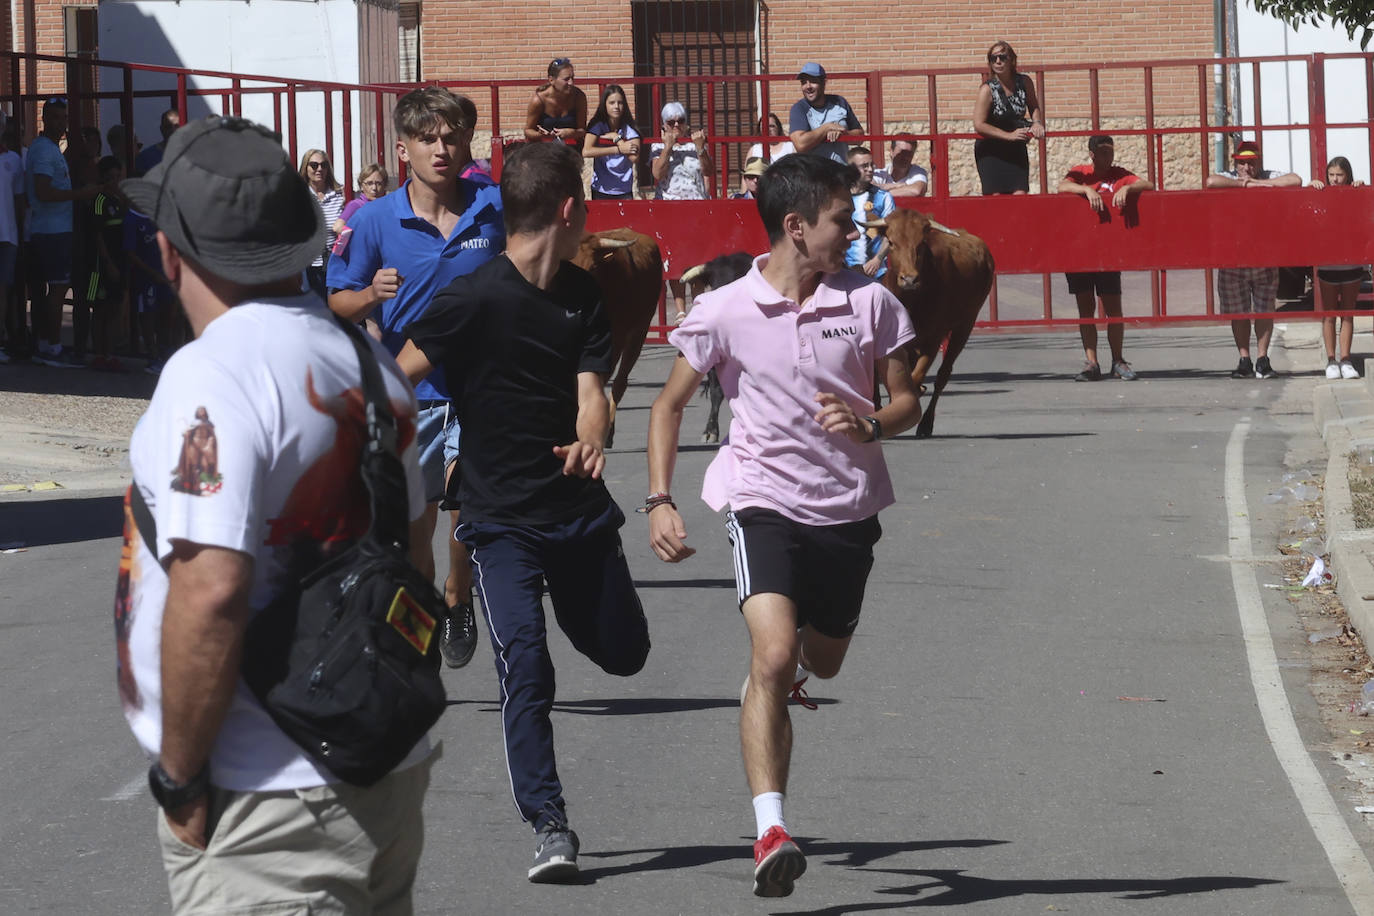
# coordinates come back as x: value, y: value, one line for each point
x: 558, y: 109
x: 318, y: 172
x: 1006, y: 116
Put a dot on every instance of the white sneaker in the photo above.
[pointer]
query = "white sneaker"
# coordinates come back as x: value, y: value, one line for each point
x: 1348, y: 371
x: 1333, y: 369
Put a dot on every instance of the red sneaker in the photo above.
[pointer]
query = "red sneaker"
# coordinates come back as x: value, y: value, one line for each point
x: 777, y: 863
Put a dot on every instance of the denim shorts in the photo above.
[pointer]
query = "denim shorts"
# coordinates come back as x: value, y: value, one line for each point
x: 436, y: 438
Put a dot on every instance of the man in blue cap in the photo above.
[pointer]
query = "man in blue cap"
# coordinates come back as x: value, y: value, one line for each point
x: 819, y: 120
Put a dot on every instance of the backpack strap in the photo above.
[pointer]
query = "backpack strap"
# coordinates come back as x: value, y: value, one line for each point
x: 382, y: 470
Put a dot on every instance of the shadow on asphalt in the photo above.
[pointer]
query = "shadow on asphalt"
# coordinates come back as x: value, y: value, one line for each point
x: 42, y: 522
x: 952, y: 887
x: 853, y: 854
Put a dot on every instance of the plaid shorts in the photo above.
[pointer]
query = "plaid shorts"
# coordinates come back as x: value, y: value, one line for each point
x: 1242, y: 290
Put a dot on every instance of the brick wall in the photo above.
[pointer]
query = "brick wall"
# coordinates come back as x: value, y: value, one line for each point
x: 479, y: 41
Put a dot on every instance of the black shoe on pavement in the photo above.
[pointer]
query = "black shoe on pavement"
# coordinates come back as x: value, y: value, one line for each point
x: 1092, y: 372
x: 1244, y: 369
x: 458, y: 636
x: 1263, y: 369
x: 555, y: 853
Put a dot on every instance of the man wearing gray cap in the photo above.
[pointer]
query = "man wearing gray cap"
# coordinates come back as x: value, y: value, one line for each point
x: 819, y: 121
x: 248, y: 463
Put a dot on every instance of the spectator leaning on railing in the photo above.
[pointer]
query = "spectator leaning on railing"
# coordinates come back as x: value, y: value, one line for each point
x: 1104, y: 185
x: 1247, y: 290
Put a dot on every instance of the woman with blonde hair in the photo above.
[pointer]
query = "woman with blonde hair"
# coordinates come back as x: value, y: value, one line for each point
x: 1006, y: 116
x: 371, y: 185
x: 318, y: 173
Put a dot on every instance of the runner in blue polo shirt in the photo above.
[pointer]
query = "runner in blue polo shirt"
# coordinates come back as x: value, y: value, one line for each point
x: 399, y: 252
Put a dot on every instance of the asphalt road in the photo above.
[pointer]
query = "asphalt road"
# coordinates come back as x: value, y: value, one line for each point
x: 1055, y: 547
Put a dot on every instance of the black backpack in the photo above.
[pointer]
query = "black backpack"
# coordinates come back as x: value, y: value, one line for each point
x: 347, y: 661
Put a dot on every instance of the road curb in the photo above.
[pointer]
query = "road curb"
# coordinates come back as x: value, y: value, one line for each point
x: 1344, y: 415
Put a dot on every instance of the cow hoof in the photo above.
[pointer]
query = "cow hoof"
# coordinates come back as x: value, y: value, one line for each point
x: 710, y: 438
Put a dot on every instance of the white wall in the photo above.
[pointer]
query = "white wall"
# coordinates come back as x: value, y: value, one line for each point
x: 310, y: 39
x: 1284, y: 86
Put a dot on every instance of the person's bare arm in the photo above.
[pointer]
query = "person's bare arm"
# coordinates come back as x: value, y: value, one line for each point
x: 1087, y: 191
x: 1290, y: 180
x: 413, y: 362
x: 579, y: 128
x: 667, y: 534
x: 1122, y: 195
x: 586, y: 457
x: 1224, y: 181
x: 659, y: 166
x: 901, y: 413
x: 1037, y: 117
x: 203, y: 624
x: 357, y: 304
x: 533, y: 111
x: 807, y: 140
x: 45, y: 192
x: 900, y: 189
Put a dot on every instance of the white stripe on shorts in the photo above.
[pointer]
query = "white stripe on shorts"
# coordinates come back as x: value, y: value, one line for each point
x: 736, y: 533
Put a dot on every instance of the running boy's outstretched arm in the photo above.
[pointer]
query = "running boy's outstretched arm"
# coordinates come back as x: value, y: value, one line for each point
x: 667, y: 535
x: 586, y: 457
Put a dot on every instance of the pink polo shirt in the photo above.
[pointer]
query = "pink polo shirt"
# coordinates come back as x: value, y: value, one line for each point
x: 773, y: 356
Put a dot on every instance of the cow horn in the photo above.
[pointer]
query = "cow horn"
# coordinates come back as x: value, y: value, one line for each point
x: 613, y: 243
x: 872, y: 223
x: 690, y: 274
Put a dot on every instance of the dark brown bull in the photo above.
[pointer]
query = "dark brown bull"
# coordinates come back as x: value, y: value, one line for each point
x: 628, y: 267
x: 942, y: 276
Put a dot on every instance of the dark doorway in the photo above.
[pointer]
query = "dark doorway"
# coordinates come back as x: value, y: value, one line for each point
x: 693, y: 38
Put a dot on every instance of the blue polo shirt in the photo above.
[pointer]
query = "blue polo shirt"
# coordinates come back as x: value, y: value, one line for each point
x: 387, y: 233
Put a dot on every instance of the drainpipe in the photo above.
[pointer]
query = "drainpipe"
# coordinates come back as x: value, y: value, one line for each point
x: 1233, y: 49
x: 1220, y: 85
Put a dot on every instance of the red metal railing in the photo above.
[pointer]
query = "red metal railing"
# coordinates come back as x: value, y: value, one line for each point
x: 1036, y: 234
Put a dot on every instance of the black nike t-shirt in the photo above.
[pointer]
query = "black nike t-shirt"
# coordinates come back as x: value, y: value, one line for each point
x: 511, y: 353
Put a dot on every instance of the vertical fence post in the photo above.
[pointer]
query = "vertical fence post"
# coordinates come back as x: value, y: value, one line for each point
x: 291, y: 122
x: 1204, y: 136
x: 939, y: 145
x: 1151, y: 163
x: 346, y: 99
x: 126, y: 116
x: 1316, y: 114
x: 873, y: 87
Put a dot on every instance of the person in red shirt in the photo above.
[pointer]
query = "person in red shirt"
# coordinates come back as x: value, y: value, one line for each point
x: 1105, y: 185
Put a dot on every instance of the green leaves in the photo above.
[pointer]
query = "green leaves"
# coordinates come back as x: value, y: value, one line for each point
x: 1354, y: 15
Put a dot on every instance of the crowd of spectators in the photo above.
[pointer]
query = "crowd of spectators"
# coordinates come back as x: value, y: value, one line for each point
x: 78, y: 238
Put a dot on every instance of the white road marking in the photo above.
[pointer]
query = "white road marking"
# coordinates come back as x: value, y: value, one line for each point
x: 134, y: 788
x: 1347, y: 858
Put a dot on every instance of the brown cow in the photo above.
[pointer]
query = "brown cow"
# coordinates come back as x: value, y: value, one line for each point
x: 942, y: 276
x: 629, y: 269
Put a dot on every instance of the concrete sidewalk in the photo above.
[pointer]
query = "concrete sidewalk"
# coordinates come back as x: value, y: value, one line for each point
x: 1344, y: 414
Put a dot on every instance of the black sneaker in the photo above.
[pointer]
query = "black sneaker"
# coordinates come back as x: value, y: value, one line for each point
x: 1092, y: 372
x: 1263, y: 369
x: 1244, y: 368
x: 555, y: 853
x: 458, y: 636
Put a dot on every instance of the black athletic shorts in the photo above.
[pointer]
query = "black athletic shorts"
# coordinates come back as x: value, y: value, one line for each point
x: 822, y: 568
x: 1105, y: 282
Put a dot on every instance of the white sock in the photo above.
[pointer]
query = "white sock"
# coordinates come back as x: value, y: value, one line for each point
x: 768, y: 812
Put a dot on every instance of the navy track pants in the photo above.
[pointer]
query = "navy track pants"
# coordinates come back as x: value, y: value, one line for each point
x: 595, y: 604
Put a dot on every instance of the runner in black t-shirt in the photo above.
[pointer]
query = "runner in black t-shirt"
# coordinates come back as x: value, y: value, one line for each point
x: 525, y: 347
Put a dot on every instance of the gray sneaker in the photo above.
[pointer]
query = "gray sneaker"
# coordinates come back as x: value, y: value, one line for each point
x: 1122, y: 370
x: 555, y: 854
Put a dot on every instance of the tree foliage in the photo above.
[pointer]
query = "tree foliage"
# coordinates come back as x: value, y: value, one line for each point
x: 1353, y: 15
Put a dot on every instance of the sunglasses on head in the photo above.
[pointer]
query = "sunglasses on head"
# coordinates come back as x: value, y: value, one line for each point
x: 998, y: 58
x: 560, y: 62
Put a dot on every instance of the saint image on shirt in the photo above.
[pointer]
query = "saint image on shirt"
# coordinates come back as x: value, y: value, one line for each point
x: 197, y: 470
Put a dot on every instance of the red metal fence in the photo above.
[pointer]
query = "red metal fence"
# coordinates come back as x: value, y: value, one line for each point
x: 1037, y: 234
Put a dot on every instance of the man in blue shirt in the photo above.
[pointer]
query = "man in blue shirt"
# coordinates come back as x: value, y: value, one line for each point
x: 48, y: 184
x: 400, y: 251
x: 818, y: 120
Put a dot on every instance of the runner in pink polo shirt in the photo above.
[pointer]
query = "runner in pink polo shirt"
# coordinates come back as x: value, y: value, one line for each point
x: 795, y: 344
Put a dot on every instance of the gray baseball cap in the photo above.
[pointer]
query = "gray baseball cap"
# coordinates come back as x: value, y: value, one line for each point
x: 227, y: 197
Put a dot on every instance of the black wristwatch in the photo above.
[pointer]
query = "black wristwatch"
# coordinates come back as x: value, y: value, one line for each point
x: 171, y: 794
x: 877, y: 428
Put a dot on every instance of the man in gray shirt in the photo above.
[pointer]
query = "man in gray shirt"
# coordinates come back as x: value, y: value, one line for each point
x: 819, y: 120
